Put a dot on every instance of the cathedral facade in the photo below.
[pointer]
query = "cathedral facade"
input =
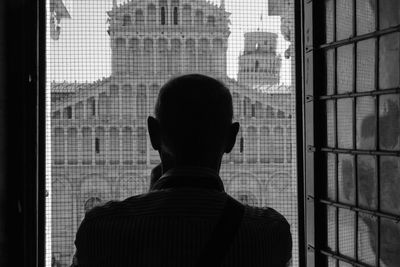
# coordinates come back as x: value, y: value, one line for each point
x: 100, y: 146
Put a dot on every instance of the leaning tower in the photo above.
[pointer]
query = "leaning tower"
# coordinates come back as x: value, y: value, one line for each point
x: 259, y: 64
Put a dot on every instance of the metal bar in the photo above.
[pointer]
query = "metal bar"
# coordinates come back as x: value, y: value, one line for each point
x: 300, y: 151
x: 309, y: 168
x: 340, y: 257
x: 378, y: 214
x: 360, y: 152
x: 355, y: 39
x: 354, y: 130
x: 360, y: 94
x: 377, y: 159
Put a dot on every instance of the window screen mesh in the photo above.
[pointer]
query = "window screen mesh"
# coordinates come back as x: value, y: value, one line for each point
x: 361, y: 99
x: 106, y: 61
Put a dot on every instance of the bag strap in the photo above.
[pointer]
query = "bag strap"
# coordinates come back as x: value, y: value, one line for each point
x: 223, y: 234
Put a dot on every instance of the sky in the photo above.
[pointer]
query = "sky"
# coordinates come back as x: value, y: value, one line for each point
x: 83, y: 51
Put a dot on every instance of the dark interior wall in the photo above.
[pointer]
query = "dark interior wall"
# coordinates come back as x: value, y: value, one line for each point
x: 3, y: 190
x: 18, y: 138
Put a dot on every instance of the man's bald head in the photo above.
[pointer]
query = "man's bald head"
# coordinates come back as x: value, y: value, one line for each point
x: 194, y: 113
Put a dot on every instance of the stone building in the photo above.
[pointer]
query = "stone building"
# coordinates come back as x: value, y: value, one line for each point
x: 100, y: 147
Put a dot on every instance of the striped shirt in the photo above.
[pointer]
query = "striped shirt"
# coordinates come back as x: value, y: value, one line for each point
x: 170, y: 225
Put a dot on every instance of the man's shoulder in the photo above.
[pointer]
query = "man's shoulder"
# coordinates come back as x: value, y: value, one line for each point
x: 264, y: 217
x: 113, y: 207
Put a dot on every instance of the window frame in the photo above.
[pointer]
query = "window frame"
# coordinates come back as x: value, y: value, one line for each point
x: 33, y: 197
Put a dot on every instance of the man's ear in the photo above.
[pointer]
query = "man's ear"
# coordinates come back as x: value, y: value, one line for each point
x: 232, y: 133
x: 154, y: 129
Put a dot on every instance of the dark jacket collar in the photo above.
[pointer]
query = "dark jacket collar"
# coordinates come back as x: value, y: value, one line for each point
x: 190, y: 177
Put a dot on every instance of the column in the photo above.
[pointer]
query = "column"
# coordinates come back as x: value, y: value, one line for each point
x: 93, y: 145
x: 85, y: 116
x: 74, y: 214
x: 107, y: 145
x: 119, y: 102
x: 285, y: 159
x: 244, y: 134
x: 258, y: 144
x: 65, y: 140
x: 80, y: 145
x: 121, y: 153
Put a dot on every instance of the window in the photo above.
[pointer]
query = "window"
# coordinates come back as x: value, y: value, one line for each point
x: 151, y: 14
x: 107, y: 78
x: 139, y: 17
x: 175, y: 15
x: 163, y: 15
x: 354, y: 200
x: 126, y: 20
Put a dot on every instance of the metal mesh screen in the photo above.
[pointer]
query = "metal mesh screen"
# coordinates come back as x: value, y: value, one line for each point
x: 106, y: 61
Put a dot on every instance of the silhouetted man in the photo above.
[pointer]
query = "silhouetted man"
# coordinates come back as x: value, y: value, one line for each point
x: 186, y: 219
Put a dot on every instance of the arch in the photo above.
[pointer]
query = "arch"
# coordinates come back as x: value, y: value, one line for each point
x: 259, y: 113
x: 280, y: 182
x: 79, y: 110
x: 67, y: 113
x: 103, y: 106
x: 100, y: 153
x: 141, y: 145
x: 139, y: 17
x: 132, y: 184
x: 58, y: 147
x: 163, y: 12
x: 246, y: 107
x: 237, y: 105
x: 190, y: 55
x: 218, y: 56
x: 114, y: 147
x: 251, y: 146
x: 91, y: 203
x: 126, y: 20
x: 62, y: 215
x: 278, y: 144
x: 87, y: 145
x: 127, y: 146
x: 151, y: 14
x: 141, y: 103
x: 154, y: 89
x: 204, y: 55
x: 256, y: 65
x: 187, y: 14
x: 148, y: 56
x: 280, y: 114
x: 175, y: 56
x: 211, y: 21
x: 72, y: 146
x: 265, y: 145
x: 91, y: 107
x: 269, y: 112
x: 120, y: 54
x: 246, y: 184
x: 175, y: 16
x: 237, y: 151
x: 199, y: 17
x: 114, y: 101
x: 134, y: 56
x: 94, y: 185
x: 127, y: 108
x: 162, y: 57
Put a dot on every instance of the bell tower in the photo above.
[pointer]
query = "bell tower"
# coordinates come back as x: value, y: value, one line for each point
x: 259, y: 64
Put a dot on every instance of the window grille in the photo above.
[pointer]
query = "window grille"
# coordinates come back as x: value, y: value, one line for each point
x: 352, y: 159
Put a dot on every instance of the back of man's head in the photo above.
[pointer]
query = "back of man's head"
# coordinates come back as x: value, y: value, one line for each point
x: 195, y: 114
